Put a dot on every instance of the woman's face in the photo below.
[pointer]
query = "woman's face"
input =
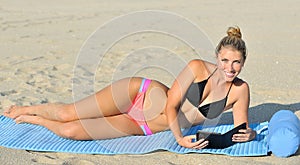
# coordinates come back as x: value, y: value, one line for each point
x: 230, y: 61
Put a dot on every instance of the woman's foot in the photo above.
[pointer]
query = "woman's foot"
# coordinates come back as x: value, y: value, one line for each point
x: 28, y: 119
x: 15, y: 111
x: 56, y: 112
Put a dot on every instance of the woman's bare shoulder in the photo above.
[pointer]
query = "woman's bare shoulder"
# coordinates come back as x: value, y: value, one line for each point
x: 201, y: 65
x: 240, y: 85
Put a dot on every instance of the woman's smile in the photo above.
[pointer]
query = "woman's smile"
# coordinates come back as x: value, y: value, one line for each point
x: 230, y: 74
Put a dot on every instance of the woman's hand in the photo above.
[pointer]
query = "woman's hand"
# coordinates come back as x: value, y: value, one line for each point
x: 244, y: 135
x: 187, y: 142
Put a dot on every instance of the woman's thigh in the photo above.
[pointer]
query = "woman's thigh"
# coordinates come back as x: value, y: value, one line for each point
x: 110, y: 127
x: 112, y: 100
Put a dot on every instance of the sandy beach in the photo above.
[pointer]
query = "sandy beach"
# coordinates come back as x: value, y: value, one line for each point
x: 41, y: 42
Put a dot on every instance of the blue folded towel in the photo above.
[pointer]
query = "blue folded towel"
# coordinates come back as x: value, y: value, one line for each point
x: 38, y: 138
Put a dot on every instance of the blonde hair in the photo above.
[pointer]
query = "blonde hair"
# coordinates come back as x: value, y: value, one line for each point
x: 233, y: 40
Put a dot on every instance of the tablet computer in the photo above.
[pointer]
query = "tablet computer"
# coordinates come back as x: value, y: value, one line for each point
x: 218, y: 140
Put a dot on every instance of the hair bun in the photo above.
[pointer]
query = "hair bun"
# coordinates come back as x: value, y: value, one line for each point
x: 234, y: 32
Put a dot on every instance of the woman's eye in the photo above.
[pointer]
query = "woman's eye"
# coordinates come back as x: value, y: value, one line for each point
x: 238, y: 62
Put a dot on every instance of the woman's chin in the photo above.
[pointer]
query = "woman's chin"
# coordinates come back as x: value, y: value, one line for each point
x: 229, y: 79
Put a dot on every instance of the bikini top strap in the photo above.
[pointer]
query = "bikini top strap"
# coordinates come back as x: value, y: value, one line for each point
x: 212, y: 73
x: 229, y: 89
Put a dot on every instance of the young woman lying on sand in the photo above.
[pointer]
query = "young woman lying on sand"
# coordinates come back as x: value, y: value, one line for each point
x: 138, y: 106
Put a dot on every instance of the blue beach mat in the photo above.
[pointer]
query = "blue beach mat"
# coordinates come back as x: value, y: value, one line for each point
x: 38, y: 138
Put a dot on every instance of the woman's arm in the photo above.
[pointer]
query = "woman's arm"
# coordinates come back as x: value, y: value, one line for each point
x: 240, y: 112
x: 175, y: 97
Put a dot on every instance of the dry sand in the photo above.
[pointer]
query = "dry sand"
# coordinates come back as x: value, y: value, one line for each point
x: 40, y: 41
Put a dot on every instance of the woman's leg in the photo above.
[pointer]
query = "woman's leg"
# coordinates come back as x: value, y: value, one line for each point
x: 114, y: 99
x: 87, y: 129
x: 49, y: 111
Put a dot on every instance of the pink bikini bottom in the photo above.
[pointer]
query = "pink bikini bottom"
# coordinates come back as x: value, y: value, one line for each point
x: 136, y: 110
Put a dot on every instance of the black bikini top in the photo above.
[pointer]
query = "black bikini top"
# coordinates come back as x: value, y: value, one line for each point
x: 211, y: 110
